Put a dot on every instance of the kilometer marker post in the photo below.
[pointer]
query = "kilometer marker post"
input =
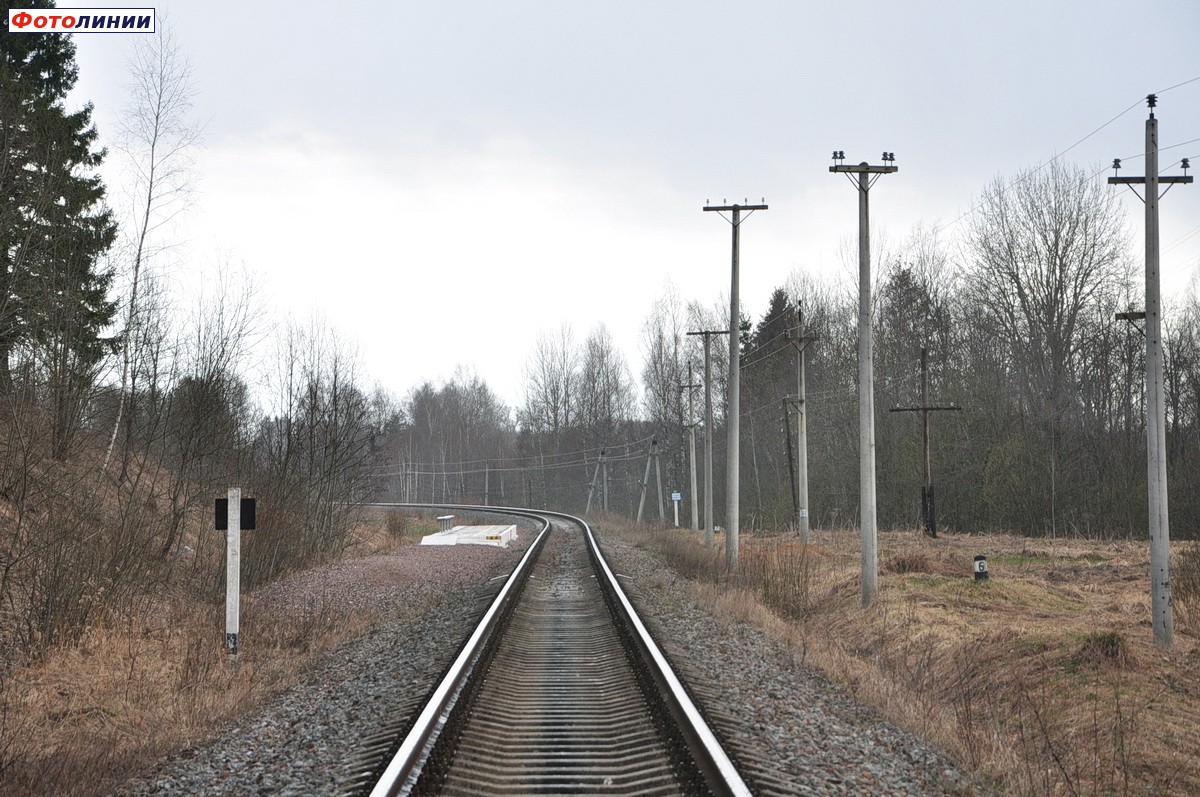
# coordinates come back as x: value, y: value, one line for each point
x: 233, y: 516
x: 233, y: 572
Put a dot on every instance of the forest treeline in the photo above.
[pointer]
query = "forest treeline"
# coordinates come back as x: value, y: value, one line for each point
x: 1017, y: 314
x: 126, y: 410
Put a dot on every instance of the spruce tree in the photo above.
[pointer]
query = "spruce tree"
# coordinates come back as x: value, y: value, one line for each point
x: 54, y: 226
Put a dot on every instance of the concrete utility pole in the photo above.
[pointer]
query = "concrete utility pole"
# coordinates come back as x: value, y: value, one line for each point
x: 733, y: 420
x: 867, y: 175
x: 708, y: 433
x: 690, y: 387
x: 928, y: 517
x: 800, y: 342
x: 1156, y: 427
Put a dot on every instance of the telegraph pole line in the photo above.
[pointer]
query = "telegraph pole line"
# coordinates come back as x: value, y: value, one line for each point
x: 867, y: 175
x: 708, y: 433
x: 1156, y: 433
x: 733, y: 418
x: 928, y: 518
x: 690, y: 387
x: 800, y: 342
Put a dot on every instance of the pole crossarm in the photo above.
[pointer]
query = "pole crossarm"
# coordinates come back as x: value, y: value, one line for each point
x: 864, y: 168
x: 1175, y: 179
x: 1132, y: 319
x: 737, y: 219
x: 798, y: 341
x: 1178, y: 179
x: 734, y: 207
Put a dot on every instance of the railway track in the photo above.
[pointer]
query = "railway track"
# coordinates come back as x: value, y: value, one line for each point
x: 559, y: 690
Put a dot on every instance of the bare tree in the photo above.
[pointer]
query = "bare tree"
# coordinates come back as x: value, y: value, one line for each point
x: 157, y: 136
x: 551, y: 379
x: 607, y: 400
x: 1047, y: 255
x: 1044, y: 248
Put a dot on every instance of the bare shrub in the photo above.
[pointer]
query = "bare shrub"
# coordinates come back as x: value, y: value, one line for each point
x: 1185, y: 583
x: 398, y: 523
x: 1104, y: 648
x: 909, y: 562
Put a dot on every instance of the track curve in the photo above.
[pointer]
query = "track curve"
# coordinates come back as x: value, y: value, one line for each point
x: 561, y: 689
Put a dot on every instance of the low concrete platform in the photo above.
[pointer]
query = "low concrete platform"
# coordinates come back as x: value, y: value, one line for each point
x: 498, y: 536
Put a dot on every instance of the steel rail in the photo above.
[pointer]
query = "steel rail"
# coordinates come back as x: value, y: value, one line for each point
x: 405, y: 764
x: 706, y: 750
x: 709, y: 754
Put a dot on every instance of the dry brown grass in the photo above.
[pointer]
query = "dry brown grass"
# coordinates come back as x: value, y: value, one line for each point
x: 1041, y: 680
x: 87, y: 716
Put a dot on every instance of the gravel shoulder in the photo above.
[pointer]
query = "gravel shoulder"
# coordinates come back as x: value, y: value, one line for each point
x: 790, y: 728
x: 301, y: 742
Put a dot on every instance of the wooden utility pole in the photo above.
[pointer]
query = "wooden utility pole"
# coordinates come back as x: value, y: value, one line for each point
x: 733, y: 418
x: 1156, y: 427
x: 928, y: 516
x: 800, y: 342
x: 708, y: 433
x: 867, y: 175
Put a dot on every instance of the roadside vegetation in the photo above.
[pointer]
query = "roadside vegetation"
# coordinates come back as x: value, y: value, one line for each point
x: 128, y: 691
x: 1042, y: 680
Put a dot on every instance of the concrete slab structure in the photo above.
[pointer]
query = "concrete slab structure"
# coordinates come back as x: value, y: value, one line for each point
x: 498, y: 536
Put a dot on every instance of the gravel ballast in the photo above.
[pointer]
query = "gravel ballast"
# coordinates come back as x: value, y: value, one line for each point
x: 794, y: 731
x: 790, y: 728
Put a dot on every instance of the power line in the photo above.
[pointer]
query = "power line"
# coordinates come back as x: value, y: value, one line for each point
x: 507, y: 469
x: 485, y: 461
x: 1177, y: 85
x: 1037, y: 169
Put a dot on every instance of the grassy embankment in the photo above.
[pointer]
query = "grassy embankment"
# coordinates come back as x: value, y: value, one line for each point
x: 1041, y: 680
x: 87, y: 716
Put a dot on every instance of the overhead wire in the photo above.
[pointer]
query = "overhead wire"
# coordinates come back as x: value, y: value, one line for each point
x: 537, y: 457
x: 511, y: 469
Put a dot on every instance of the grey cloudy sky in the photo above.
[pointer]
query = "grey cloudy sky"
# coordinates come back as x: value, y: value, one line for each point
x: 442, y: 180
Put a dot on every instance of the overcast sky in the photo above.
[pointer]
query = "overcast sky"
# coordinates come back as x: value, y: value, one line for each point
x: 443, y: 180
